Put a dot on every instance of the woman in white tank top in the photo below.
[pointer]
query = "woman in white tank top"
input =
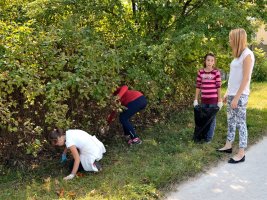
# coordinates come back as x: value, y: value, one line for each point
x: 237, y: 93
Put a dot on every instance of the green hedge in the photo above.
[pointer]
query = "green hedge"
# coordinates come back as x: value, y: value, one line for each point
x: 61, y: 60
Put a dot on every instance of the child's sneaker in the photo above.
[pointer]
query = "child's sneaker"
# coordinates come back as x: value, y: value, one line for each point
x: 135, y: 141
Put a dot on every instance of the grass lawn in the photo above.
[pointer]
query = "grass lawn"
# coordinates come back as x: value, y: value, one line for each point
x: 147, y: 171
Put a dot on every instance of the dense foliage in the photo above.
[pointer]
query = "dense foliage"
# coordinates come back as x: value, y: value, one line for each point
x: 60, y: 60
x: 260, y: 71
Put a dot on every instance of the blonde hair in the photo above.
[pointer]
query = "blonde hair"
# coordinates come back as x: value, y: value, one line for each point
x: 239, y: 41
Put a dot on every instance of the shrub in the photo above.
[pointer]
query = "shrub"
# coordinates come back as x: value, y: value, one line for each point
x: 260, y: 69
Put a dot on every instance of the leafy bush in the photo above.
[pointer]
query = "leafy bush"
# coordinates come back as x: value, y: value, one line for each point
x: 260, y: 69
x: 60, y: 61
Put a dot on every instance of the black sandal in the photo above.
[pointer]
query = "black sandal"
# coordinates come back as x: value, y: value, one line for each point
x: 232, y: 161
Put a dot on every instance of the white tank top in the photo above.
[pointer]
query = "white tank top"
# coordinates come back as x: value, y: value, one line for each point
x: 236, y: 73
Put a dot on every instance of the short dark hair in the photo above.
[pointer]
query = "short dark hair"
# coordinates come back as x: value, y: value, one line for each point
x: 55, y: 134
x: 205, y: 57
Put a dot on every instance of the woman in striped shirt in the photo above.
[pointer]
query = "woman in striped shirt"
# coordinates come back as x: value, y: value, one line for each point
x: 209, y: 85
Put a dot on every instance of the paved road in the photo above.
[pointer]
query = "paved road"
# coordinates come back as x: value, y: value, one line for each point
x: 242, y: 181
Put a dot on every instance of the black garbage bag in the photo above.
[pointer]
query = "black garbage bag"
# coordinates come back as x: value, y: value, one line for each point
x: 203, y: 119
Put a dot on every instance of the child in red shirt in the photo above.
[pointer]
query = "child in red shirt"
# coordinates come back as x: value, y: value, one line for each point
x: 134, y: 101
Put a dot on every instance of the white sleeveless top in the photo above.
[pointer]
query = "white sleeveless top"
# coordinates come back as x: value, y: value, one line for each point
x: 236, y: 73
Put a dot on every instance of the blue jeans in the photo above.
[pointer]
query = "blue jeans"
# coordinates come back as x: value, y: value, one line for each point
x: 132, y: 108
x: 210, y: 133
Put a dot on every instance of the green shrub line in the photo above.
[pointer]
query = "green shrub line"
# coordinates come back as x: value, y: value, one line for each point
x: 60, y: 60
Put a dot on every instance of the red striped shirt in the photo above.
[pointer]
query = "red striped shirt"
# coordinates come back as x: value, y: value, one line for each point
x: 208, y: 83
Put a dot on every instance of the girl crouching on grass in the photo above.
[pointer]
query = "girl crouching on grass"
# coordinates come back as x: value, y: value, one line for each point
x: 86, y: 150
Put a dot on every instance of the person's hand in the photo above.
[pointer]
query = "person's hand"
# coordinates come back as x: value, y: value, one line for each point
x: 69, y: 177
x: 234, y: 103
x: 220, y: 104
x: 115, y: 101
x: 195, y: 103
x: 63, y: 158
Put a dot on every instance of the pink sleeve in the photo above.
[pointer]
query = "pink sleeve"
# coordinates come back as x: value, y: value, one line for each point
x: 218, y: 79
x: 122, y: 90
x: 199, y: 79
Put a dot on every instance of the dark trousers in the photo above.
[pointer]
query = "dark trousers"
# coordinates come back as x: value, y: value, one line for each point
x: 132, y: 108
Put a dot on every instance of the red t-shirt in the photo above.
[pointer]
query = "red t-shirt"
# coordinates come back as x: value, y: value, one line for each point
x: 125, y: 97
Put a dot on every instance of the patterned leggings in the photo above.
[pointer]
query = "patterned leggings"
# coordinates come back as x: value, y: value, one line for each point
x: 236, y: 118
